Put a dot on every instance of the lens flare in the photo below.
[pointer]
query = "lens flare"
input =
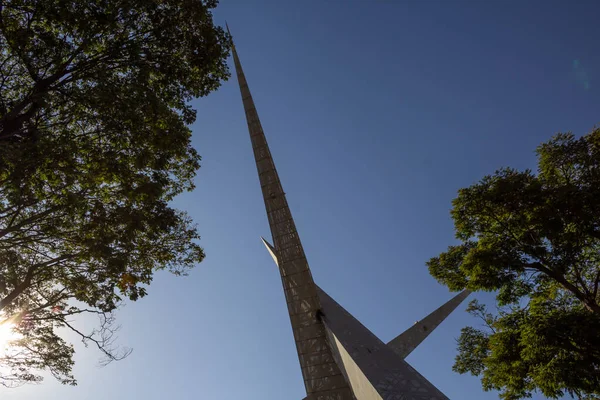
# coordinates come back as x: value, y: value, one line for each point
x: 7, y: 335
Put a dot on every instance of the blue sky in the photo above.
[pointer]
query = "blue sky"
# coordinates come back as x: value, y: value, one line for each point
x: 377, y: 113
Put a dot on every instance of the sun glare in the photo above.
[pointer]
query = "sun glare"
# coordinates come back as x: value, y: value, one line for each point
x: 7, y: 334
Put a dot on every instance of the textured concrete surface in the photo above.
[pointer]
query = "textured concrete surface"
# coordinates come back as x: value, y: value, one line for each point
x: 360, y: 383
x: 407, y: 341
x: 323, y: 379
x: 373, y: 369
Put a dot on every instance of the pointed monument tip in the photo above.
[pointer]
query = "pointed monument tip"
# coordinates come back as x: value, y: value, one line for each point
x: 271, y: 249
x: 230, y: 37
x: 267, y: 244
x: 407, y: 341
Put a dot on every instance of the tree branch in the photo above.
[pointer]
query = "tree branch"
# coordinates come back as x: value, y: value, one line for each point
x: 596, y: 283
x: 105, y: 340
x: 19, y: 288
x: 26, y: 283
x: 30, y: 220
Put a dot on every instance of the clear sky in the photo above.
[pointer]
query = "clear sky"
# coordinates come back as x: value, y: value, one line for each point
x: 377, y: 113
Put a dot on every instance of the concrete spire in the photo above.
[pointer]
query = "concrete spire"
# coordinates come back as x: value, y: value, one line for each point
x: 408, y: 340
x: 340, y: 358
x: 323, y: 379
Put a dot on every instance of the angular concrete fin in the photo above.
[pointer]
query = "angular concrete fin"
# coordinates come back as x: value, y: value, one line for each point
x: 408, y: 340
x: 271, y: 250
x: 372, y: 368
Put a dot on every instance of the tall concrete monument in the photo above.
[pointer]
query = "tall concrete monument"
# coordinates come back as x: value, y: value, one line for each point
x: 340, y: 358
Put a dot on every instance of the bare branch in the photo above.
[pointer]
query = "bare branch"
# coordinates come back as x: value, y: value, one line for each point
x: 105, y: 340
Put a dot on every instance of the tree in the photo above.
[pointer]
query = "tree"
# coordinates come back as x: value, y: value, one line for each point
x: 534, y: 239
x: 94, y: 144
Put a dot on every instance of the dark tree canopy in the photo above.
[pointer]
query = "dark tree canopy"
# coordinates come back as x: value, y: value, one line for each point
x: 94, y: 143
x: 534, y: 239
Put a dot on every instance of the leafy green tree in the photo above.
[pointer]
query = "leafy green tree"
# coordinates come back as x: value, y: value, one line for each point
x: 94, y: 143
x: 534, y: 239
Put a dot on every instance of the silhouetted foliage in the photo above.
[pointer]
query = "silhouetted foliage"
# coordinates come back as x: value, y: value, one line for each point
x: 94, y: 143
x: 535, y: 240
